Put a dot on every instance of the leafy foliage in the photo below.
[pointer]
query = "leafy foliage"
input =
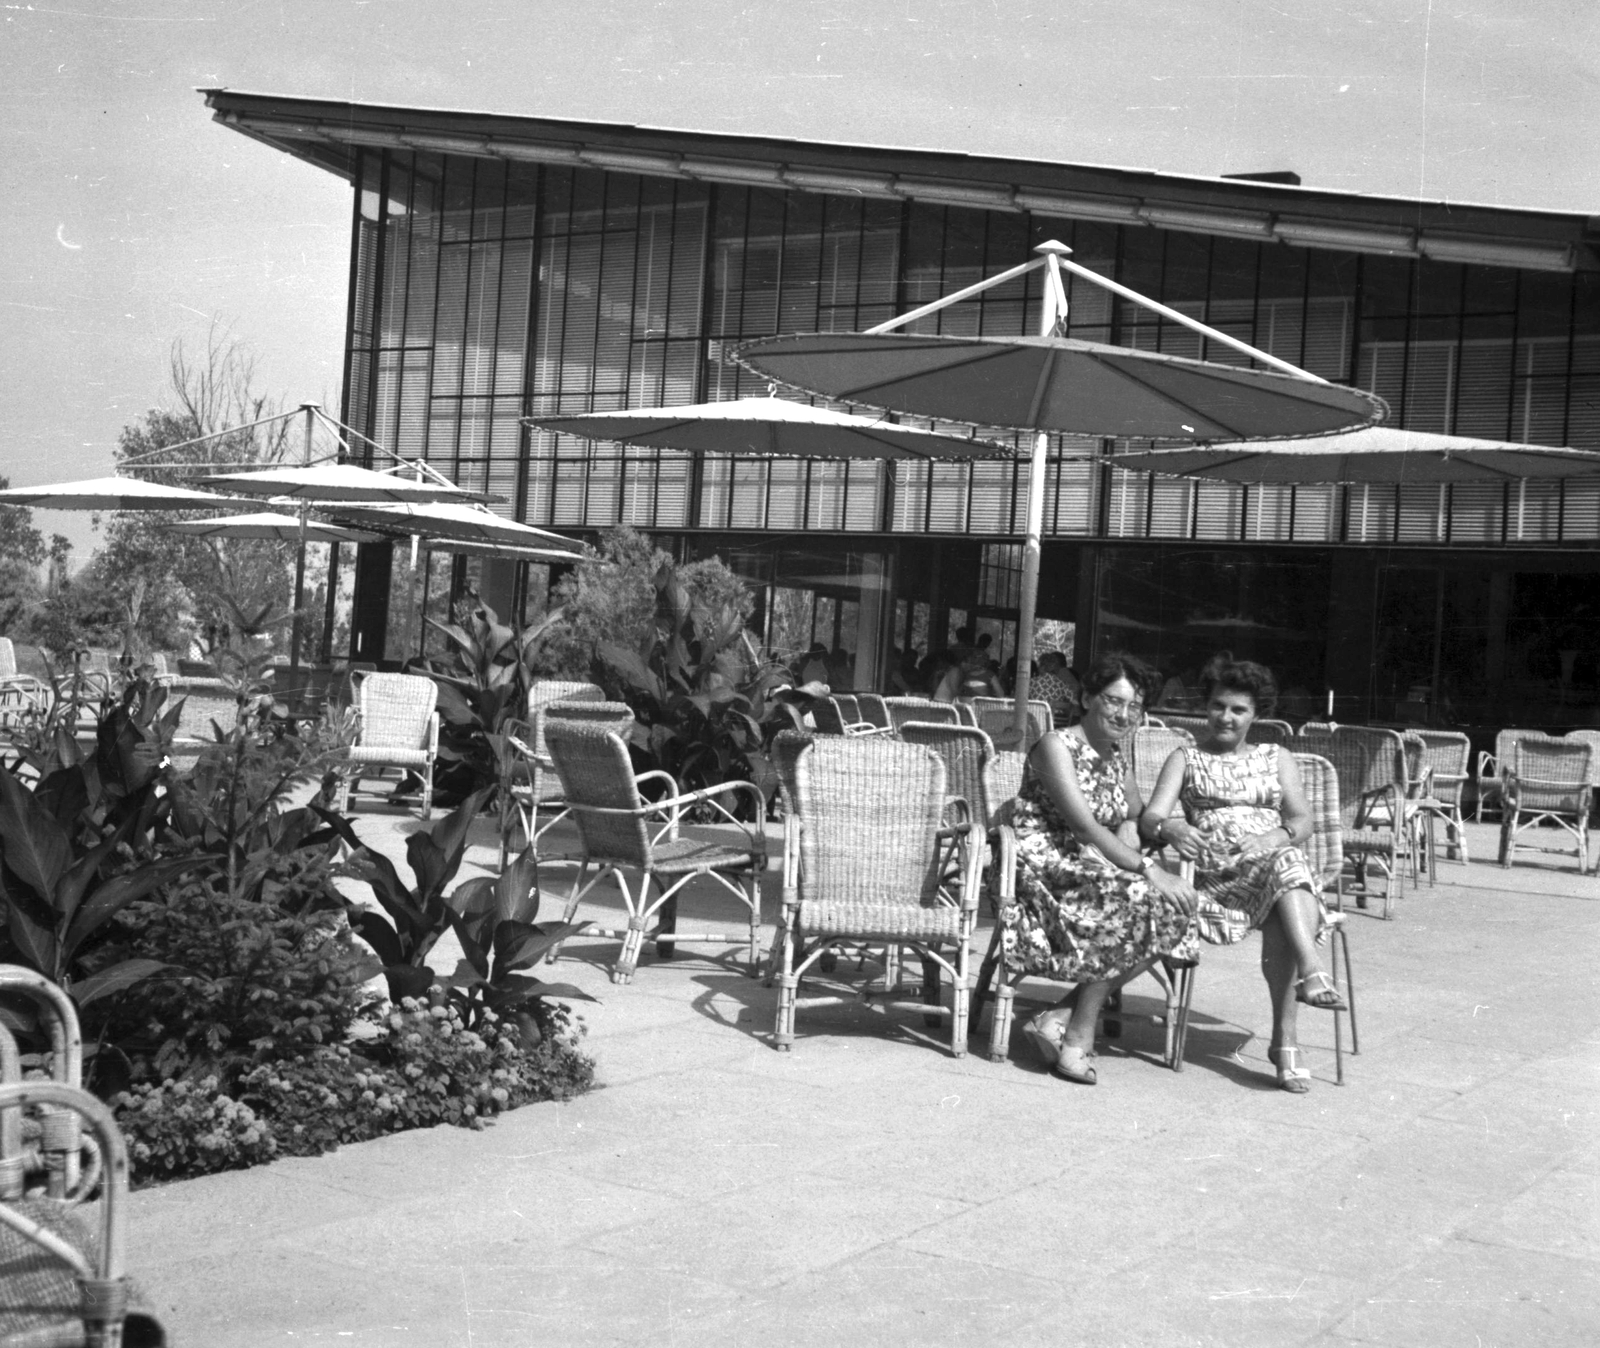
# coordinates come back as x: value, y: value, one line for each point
x: 80, y: 847
x: 484, y: 685
x: 417, y: 915
x: 494, y: 920
x: 418, y: 1066
x: 706, y: 703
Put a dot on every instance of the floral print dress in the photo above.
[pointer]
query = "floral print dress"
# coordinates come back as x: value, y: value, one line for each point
x: 1228, y: 798
x: 1078, y: 917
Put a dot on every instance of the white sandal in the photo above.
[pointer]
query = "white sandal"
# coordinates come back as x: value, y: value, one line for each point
x: 1291, y: 1076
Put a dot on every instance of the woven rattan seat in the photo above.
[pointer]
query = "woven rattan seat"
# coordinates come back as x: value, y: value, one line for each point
x: 397, y: 726
x: 1548, y: 781
x: 866, y: 860
x: 620, y: 833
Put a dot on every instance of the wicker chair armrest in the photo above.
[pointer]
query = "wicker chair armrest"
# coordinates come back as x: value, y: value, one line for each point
x: 1389, y: 797
x: 1004, y: 840
x: 1486, y: 763
x: 433, y: 735
x: 1516, y: 783
x: 654, y: 774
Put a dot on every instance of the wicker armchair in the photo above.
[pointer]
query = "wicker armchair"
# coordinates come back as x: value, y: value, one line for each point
x: 1592, y: 738
x: 528, y: 778
x: 1447, y: 756
x: 923, y: 709
x: 996, y: 715
x: 1548, y: 781
x: 1490, y: 769
x: 1373, y: 782
x: 864, y: 863
x: 397, y: 727
x: 621, y: 832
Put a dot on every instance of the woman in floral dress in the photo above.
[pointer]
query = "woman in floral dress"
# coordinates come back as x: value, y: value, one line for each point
x: 1244, y: 818
x: 1090, y: 909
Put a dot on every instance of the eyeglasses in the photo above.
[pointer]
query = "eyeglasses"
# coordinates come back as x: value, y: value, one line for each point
x: 1123, y: 706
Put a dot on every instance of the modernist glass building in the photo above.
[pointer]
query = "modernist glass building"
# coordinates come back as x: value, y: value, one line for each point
x: 503, y: 266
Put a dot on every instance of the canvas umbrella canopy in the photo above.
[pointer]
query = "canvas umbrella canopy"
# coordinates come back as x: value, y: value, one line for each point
x: 769, y: 427
x: 116, y: 493
x: 343, y: 482
x: 469, y: 524
x: 1052, y: 383
x: 470, y: 549
x: 269, y: 525
x: 1373, y: 455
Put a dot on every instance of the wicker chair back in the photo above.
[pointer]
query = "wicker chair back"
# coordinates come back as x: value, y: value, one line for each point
x: 968, y: 754
x: 396, y: 710
x: 829, y: 720
x: 870, y: 810
x: 924, y: 709
x: 873, y: 711
x: 1551, y: 772
x: 1592, y: 738
x: 1151, y: 747
x: 8, y: 659
x: 965, y: 715
x: 995, y: 715
x: 1177, y: 720
x: 1447, y: 753
x: 1005, y: 780
x: 616, y: 717
x: 849, y: 709
x: 546, y: 692
x: 1268, y: 731
x: 596, y: 771
x: 1324, y: 849
x: 786, y: 751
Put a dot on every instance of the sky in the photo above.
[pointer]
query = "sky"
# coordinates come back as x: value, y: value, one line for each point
x: 131, y: 221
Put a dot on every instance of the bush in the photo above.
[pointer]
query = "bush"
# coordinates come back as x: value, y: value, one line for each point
x: 417, y: 1067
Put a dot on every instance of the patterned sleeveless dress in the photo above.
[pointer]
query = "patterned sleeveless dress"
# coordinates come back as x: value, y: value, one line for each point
x: 1228, y: 798
x: 1078, y: 917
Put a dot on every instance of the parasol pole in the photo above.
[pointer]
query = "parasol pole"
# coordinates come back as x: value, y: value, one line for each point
x: 1052, y: 310
x: 310, y: 409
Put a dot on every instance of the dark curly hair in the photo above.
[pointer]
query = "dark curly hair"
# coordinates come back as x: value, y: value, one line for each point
x: 1114, y: 665
x: 1241, y: 676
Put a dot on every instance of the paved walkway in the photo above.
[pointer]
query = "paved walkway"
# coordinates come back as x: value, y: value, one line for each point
x: 868, y: 1188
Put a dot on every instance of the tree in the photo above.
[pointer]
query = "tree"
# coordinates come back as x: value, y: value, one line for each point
x: 610, y: 598
x: 21, y: 551
x: 167, y: 588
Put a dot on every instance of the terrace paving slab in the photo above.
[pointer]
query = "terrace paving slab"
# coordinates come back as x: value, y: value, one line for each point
x: 869, y: 1188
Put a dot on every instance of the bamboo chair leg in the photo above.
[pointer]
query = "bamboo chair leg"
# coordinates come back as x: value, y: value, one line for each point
x: 986, y: 974
x: 931, y: 995
x: 427, y: 792
x: 1000, y: 1028
x: 962, y: 1000
x: 752, y: 889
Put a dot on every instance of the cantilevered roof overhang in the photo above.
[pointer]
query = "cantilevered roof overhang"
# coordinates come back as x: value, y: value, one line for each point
x: 328, y: 133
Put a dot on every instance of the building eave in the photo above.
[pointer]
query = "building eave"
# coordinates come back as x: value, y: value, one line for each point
x: 330, y: 133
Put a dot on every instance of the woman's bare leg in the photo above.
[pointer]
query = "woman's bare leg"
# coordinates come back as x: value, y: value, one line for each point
x: 1300, y: 915
x: 1281, y: 968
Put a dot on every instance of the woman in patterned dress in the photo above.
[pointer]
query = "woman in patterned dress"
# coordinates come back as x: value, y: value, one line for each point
x: 1244, y: 816
x: 1090, y: 909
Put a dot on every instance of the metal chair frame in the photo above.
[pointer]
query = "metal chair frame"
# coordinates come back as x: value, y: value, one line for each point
x: 643, y: 836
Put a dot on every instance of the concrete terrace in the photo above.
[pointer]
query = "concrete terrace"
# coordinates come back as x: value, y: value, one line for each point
x: 868, y: 1188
